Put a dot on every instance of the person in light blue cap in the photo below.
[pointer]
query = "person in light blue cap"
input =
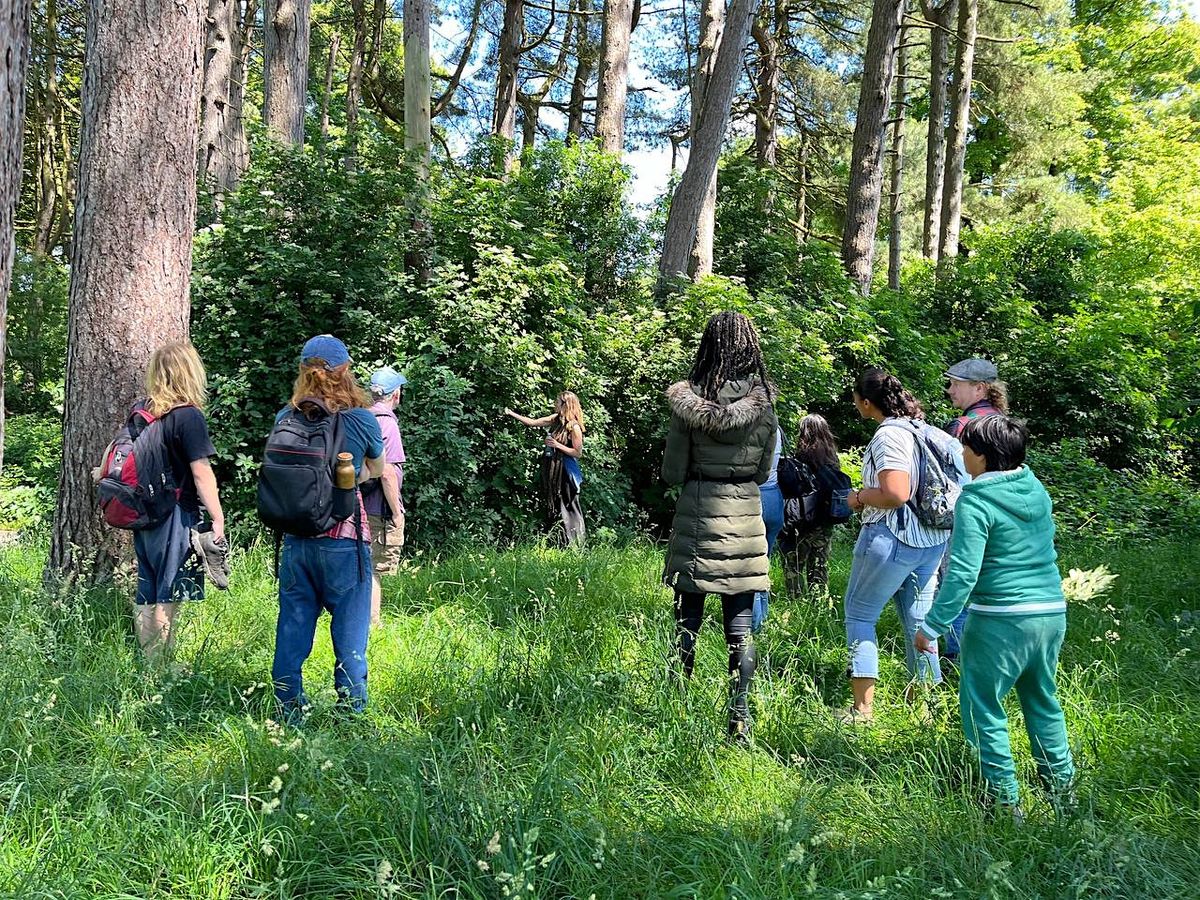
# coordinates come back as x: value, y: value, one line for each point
x: 381, y: 496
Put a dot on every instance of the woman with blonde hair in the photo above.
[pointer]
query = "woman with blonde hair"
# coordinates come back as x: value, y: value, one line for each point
x: 562, y: 476
x: 170, y: 559
x: 332, y: 570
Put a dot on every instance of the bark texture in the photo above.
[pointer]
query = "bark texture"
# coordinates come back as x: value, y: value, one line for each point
x: 870, y: 127
x: 585, y: 63
x: 939, y: 16
x: 285, y: 67
x: 504, y: 120
x: 418, y: 122
x: 712, y: 28
x: 895, y: 194
x: 956, y: 133
x: 713, y: 121
x: 766, y: 107
x: 613, y: 85
x: 217, y: 163
x: 14, y: 63
x: 132, y: 255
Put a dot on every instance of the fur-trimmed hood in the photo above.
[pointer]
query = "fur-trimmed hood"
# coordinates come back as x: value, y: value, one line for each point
x: 740, y: 405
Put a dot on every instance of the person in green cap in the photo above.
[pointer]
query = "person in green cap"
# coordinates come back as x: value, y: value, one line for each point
x: 1003, y: 569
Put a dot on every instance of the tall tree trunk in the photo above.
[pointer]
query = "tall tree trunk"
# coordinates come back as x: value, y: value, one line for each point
x: 766, y: 107
x: 335, y: 43
x: 132, y: 259
x: 802, y: 188
x: 239, y: 145
x: 895, y: 222
x: 585, y: 62
x: 512, y: 36
x: 712, y: 27
x: 49, y: 199
x: 956, y: 133
x: 14, y: 63
x: 285, y: 67
x: 613, y: 85
x: 866, y: 158
x: 221, y: 35
x: 418, y: 122
x: 939, y: 16
x: 712, y: 123
x: 354, y: 80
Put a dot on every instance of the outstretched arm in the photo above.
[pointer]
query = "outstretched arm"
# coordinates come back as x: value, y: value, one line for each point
x: 541, y: 422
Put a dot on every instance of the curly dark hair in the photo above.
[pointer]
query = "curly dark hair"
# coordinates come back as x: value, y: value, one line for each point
x: 728, y: 351
x: 885, y: 391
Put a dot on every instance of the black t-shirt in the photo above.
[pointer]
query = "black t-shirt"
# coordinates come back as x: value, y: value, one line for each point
x: 185, y: 432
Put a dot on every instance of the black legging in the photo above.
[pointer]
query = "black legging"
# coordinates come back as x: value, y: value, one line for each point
x: 736, y: 613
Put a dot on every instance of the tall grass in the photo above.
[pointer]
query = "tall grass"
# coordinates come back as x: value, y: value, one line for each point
x: 525, y: 738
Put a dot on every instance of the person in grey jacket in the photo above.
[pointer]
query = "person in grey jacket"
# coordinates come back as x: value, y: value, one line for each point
x: 720, y: 446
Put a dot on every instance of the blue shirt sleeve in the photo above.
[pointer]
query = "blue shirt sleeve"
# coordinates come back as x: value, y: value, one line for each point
x: 361, y: 436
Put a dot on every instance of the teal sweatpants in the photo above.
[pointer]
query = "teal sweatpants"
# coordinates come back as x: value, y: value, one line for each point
x: 1000, y: 653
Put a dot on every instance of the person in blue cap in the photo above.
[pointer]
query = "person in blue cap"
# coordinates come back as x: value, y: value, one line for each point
x: 326, y: 572
x: 381, y: 497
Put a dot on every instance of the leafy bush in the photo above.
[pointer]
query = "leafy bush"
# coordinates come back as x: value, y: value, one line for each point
x: 36, y: 353
x: 32, y: 456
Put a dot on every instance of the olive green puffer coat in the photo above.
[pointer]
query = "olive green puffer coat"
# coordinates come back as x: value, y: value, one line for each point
x: 718, y: 542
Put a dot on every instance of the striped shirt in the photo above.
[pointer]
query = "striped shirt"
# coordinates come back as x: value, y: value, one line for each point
x: 895, y: 449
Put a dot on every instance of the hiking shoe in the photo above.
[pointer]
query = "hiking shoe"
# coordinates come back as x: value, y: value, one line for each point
x: 214, y: 555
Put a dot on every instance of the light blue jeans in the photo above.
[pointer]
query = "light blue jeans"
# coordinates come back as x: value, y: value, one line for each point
x: 772, y: 511
x: 883, y: 569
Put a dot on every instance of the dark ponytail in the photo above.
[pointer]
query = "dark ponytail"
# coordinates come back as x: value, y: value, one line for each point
x: 887, y: 394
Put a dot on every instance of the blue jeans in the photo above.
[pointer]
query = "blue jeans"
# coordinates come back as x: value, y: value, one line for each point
x: 883, y: 567
x: 167, y: 569
x: 317, y: 574
x: 772, y: 513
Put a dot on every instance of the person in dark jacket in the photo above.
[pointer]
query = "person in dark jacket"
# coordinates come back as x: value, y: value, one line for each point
x: 720, y: 447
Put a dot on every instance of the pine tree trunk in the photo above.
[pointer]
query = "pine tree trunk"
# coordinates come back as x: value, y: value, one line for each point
x: 218, y: 168
x: 239, y: 145
x: 802, y: 189
x: 285, y: 67
x: 131, y: 264
x: 766, y: 107
x: 418, y: 123
x: 504, y: 121
x: 956, y: 133
x: 692, y: 192
x: 895, y: 217
x: 712, y: 27
x: 47, y: 115
x: 939, y: 16
x: 613, y: 85
x: 354, y: 80
x: 14, y: 63
x: 335, y: 43
x: 866, y: 159
x: 585, y: 61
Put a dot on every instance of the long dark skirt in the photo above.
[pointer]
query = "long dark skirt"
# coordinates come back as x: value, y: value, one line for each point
x: 560, y: 501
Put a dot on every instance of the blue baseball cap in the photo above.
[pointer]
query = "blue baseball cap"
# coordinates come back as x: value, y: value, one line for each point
x: 326, y: 347
x: 387, y: 381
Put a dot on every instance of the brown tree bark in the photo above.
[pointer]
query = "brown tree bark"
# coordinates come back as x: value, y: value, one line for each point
x: 939, y: 15
x: 956, y: 132
x: 418, y: 121
x: 335, y: 44
x: 285, y: 67
x: 218, y: 168
x: 866, y: 159
x: 766, y: 106
x: 239, y: 145
x: 585, y: 63
x: 802, y: 176
x: 49, y: 198
x: 512, y: 36
x: 691, y: 194
x: 613, y: 86
x: 712, y: 27
x: 131, y: 264
x: 896, y: 211
x: 14, y: 63
x: 354, y: 79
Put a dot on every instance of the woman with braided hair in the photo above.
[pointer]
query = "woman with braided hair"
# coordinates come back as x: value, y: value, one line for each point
x: 896, y: 556
x: 720, y: 446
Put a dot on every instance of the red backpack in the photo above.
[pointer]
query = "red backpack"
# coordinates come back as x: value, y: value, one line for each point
x: 137, y: 484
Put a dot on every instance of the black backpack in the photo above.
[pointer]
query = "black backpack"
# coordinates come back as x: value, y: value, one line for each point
x: 812, y: 498
x: 137, y: 485
x: 295, y: 481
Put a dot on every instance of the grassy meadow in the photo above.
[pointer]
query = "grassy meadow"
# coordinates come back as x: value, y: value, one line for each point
x: 525, y: 739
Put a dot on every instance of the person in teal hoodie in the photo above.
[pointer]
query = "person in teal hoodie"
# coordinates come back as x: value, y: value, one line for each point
x: 1003, y: 570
